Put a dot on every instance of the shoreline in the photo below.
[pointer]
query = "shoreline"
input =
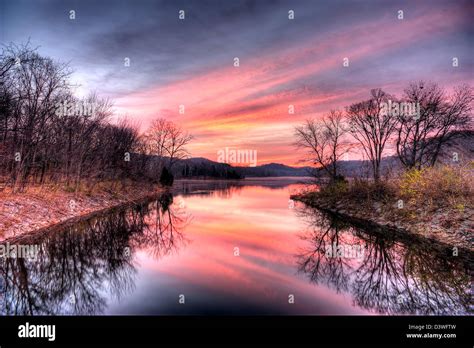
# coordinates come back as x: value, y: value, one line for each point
x: 381, y: 217
x: 44, y: 207
x: 40, y: 208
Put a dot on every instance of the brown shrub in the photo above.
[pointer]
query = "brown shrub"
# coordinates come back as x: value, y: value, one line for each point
x: 438, y: 186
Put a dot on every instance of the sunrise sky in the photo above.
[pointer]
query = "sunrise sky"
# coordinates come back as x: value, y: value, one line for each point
x: 191, y: 62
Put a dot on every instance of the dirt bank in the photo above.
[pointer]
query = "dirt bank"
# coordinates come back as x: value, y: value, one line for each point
x: 42, y: 207
x: 454, y: 227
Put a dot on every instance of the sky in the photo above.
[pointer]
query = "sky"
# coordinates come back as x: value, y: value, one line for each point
x: 282, y: 61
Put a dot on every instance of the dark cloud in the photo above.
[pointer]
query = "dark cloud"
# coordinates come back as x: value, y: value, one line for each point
x: 162, y: 48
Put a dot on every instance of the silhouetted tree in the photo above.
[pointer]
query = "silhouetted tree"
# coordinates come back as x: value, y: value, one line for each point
x: 47, y: 135
x: 421, y: 137
x: 167, y: 141
x: 371, y: 127
x: 323, y: 141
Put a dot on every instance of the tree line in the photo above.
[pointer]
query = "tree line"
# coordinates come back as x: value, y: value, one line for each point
x: 419, y: 124
x: 49, y: 136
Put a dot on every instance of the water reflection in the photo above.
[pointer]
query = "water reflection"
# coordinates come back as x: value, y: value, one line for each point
x: 138, y: 259
x: 78, y: 266
x: 392, y: 277
x: 228, y: 188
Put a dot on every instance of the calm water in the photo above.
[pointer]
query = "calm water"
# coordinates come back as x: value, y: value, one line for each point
x: 229, y: 248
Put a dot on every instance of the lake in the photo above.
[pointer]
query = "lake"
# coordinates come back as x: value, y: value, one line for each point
x: 229, y: 247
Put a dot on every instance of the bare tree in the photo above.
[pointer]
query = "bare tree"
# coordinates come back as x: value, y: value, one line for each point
x: 14, y: 55
x: 49, y: 135
x: 421, y: 137
x: 37, y: 86
x: 455, y: 114
x: 323, y: 141
x: 372, y: 127
x: 167, y: 141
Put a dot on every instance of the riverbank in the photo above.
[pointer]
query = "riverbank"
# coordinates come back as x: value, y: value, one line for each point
x: 43, y: 207
x: 433, y: 204
x: 447, y: 226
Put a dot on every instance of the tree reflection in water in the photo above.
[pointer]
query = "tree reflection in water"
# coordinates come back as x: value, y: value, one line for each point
x: 393, y: 276
x: 78, y: 265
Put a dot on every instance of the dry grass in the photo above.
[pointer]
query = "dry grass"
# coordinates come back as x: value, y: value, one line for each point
x: 438, y: 187
x: 434, y: 187
x: 359, y: 191
x: 435, y: 203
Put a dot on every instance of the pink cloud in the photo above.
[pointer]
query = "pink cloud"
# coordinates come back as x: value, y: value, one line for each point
x: 248, y: 105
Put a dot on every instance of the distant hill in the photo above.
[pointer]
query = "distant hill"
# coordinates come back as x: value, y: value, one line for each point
x: 361, y: 168
x: 199, y: 166
x: 274, y: 169
x: 462, y: 144
x: 203, y: 167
